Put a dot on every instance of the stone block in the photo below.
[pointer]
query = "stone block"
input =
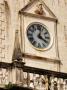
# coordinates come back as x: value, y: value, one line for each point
x: 3, y: 42
x: 3, y: 27
x: 2, y: 37
x: 0, y: 50
x: 0, y: 54
x: 0, y: 22
x: 3, y: 59
x: 2, y: 46
x: 0, y: 41
x: 3, y: 54
x: 0, y: 59
x: 0, y: 31
x: 1, y: 1
x: 0, y: 14
x: 0, y: 8
x: 3, y: 16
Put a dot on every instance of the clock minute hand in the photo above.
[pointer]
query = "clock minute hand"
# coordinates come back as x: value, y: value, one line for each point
x: 40, y: 37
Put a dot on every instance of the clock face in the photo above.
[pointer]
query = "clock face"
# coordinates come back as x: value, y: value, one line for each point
x: 38, y: 35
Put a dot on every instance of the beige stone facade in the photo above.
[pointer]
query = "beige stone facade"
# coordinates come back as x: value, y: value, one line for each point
x: 57, y: 7
x: 11, y: 21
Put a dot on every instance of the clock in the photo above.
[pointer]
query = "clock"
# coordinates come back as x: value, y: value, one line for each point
x: 38, y: 35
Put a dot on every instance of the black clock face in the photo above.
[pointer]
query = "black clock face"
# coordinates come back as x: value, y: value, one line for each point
x: 38, y: 35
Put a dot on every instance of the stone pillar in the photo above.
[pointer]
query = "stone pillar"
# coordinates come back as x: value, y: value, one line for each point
x: 58, y: 84
x: 52, y: 83
x: 18, y: 72
x: 64, y: 85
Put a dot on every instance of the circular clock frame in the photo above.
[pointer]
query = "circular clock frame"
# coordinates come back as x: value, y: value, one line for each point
x: 50, y: 36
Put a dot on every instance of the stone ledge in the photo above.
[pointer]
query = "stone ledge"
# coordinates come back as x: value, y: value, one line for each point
x: 40, y: 71
x: 12, y: 65
x: 18, y: 64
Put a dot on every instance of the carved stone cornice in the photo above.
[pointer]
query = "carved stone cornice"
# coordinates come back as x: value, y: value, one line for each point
x: 25, y: 55
x: 39, y: 16
x: 49, y: 73
x: 32, y: 69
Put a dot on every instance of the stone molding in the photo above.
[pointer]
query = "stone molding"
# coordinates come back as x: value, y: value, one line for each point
x: 21, y: 65
x: 12, y: 65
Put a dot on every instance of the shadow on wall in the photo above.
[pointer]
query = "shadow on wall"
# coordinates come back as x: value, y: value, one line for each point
x: 17, y: 88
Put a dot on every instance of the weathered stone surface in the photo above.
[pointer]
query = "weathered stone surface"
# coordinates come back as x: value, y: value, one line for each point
x: 9, y: 26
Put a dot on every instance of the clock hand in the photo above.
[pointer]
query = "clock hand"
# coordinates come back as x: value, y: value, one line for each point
x: 40, y: 37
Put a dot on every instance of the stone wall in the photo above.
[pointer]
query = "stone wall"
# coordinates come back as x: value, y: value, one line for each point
x: 7, y: 40
x: 3, y: 34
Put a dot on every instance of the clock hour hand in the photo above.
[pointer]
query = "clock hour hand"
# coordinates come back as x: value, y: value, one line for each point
x: 40, y: 37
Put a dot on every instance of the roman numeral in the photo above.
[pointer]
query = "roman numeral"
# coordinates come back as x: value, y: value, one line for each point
x: 45, y: 33
x: 45, y: 40
x: 29, y: 32
x: 35, y: 27
x: 39, y: 46
x: 47, y: 37
x: 42, y: 29
x: 43, y: 45
x: 39, y: 27
x: 31, y: 39
x: 34, y: 42
x: 31, y: 29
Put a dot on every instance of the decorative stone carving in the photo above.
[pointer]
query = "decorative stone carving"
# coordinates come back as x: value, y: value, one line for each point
x: 19, y: 76
x: 39, y: 9
x: 55, y: 85
x: 25, y: 79
x: 4, y: 76
x: 36, y: 81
